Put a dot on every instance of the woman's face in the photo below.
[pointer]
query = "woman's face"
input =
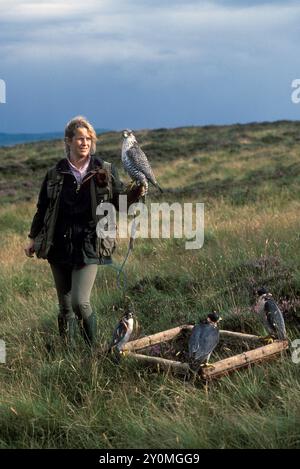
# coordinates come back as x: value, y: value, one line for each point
x: 80, y: 144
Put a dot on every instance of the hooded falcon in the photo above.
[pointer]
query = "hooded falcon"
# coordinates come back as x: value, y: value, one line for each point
x: 204, y: 339
x: 135, y: 162
x: 270, y: 315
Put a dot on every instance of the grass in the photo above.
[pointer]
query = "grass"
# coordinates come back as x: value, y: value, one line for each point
x: 248, y: 177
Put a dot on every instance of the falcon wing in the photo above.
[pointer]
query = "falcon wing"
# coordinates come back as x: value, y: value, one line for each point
x: 119, y: 333
x: 139, y: 160
x: 275, y: 318
x: 202, y: 342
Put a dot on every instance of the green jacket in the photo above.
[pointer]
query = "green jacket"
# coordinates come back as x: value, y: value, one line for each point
x: 105, y: 185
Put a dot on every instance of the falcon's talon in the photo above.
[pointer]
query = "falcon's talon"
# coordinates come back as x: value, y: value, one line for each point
x: 207, y: 365
x: 268, y: 339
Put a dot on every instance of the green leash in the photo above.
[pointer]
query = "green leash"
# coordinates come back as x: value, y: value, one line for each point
x: 130, y: 248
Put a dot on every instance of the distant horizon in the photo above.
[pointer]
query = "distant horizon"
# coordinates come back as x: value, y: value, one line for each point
x: 50, y: 132
x: 139, y: 129
x: 8, y: 139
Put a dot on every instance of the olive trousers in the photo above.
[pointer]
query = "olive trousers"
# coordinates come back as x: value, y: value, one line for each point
x: 74, y: 288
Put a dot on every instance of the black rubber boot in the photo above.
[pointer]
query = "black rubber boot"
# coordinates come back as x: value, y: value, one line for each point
x: 61, y: 322
x: 66, y: 328
x: 90, y: 329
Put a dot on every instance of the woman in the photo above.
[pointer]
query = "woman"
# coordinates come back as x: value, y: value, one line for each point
x: 63, y: 230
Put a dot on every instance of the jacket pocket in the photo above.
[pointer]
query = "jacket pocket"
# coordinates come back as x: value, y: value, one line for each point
x: 40, y: 244
x: 105, y: 246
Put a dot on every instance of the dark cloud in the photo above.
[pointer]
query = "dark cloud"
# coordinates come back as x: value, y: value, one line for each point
x: 197, y: 62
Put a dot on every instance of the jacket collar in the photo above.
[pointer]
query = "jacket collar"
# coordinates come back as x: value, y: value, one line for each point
x: 63, y: 166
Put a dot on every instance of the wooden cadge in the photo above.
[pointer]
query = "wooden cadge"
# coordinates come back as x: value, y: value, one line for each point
x: 219, y: 368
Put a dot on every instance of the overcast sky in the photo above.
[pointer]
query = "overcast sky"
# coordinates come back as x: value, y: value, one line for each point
x: 147, y: 64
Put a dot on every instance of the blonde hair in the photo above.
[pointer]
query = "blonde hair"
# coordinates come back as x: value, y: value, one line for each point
x: 77, y: 123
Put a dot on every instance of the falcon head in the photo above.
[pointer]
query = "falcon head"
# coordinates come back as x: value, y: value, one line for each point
x: 126, y: 133
x: 213, y: 318
x: 261, y: 291
x: 129, y: 138
x: 128, y: 315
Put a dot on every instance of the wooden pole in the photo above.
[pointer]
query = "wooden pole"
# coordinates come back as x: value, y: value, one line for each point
x: 244, y: 359
x: 240, y: 335
x: 170, y: 334
x: 161, y: 363
x: 153, y: 339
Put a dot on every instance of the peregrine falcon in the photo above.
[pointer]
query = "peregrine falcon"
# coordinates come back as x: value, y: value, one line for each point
x: 204, y: 339
x: 270, y: 315
x: 135, y: 162
x: 122, y: 332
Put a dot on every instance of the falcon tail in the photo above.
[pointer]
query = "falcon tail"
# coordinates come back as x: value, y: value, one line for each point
x: 158, y: 187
